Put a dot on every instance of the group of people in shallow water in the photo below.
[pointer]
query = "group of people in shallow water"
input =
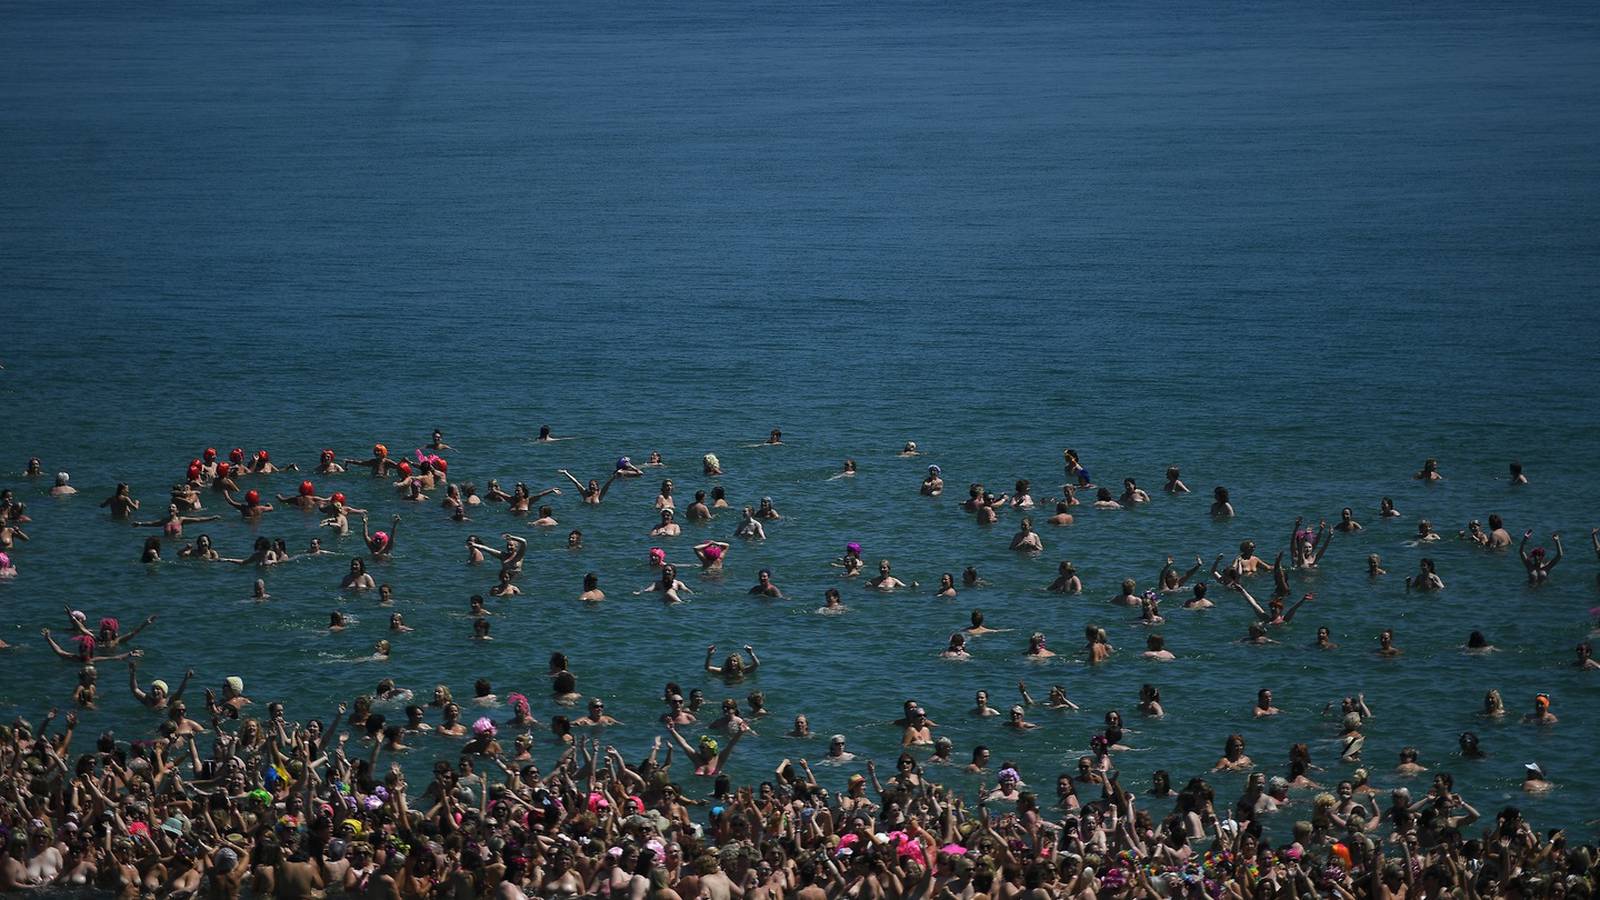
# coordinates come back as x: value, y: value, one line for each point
x: 243, y: 800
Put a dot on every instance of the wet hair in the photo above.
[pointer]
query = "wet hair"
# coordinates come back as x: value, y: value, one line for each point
x: 1221, y: 493
x: 482, y: 688
x: 1155, y: 642
x: 591, y: 581
x: 1477, y: 641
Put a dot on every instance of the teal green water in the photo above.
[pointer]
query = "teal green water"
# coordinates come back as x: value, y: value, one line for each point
x: 1293, y: 251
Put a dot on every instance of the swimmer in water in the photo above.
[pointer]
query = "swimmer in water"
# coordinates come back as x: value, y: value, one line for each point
x: 328, y: 464
x: 1221, y: 508
x: 1061, y: 516
x: 1426, y: 579
x: 851, y: 561
x: 712, y: 555
x: 592, y: 493
x: 380, y: 464
x: 947, y: 586
x: 1429, y: 472
x: 910, y: 449
x: 1132, y: 493
x: 750, y: 527
x: 252, y: 507
x: 668, y: 586
x: 305, y: 499
x: 121, y: 502
x: 734, y: 667
x: 1174, y: 483
x: 957, y: 647
x: 1347, y: 521
x: 1386, y: 647
x: 710, y: 465
x: 667, y: 527
x: 591, y: 589
x: 380, y: 544
x: 1306, y: 547
x: 1036, y: 647
x: 1541, y: 714
x: 885, y: 581
x: 1536, y: 562
x: 933, y: 482
x: 1386, y: 509
x: 1375, y: 566
x: 1169, y: 580
x: 1026, y: 540
x: 510, y: 557
x: 764, y: 586
x: 832, y: 603
x: 62, y: 489
x: 977, y: 626
x: 1067, y: 581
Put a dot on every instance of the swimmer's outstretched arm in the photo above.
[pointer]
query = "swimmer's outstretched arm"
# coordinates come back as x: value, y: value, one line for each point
x: 604, y: 488
x: 1022, y: 688
x: 1261, y: 614
x: 1560, y: 552
x: 715, y: 670
x: 1327, y: 539
x: 1289, y: 615
x: 722, y: 757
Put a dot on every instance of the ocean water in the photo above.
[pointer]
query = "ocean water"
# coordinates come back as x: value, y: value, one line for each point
x: 1293, y: 249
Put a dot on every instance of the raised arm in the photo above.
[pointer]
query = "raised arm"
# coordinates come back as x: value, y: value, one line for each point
x: 1288, y: 616
x: 1022, y: 688
x: 755, y: 661
x: 1560, y: 552
x: 575, y: 482
x: 605, y: 488
x: 715, y: 670
x: 1327, y: 539
x: 1199, y: 564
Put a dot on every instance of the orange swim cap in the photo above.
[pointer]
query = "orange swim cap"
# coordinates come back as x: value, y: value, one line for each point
x: 1542, y: 701
x: 380, y: 450
x: 405, y: 467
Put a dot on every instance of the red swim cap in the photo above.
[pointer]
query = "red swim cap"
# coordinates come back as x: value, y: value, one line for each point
x: 327, y: 454
x: 405, y: 467
x: 338, y: 497
x: 261, y: 455
x: 194, y: 470
x: 252, y: 497
x: 440, y: 464
x: 380, y: 450
x: 222, y: 470
x: 210, y: 454
x: 306, y: 489
x: 236, y: 454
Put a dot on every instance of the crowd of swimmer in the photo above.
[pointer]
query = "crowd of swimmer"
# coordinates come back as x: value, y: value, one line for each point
x: 269, y: 806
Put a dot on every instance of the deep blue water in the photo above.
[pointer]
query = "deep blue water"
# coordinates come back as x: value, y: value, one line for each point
x: 1294, y: 250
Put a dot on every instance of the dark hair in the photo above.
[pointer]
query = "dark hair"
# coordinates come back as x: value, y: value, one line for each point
x: 1477, y: 641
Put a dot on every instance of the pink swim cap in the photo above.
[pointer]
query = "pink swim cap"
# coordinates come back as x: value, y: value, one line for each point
x: 713, y: 552
x: 483, y: 726
x: 658, y: 554
x: 381, y: 537
x: 5, y: 561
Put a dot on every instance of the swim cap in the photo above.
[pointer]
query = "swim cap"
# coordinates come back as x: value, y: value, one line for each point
x: 405, y: 467
x: 159, y: 685
x: 223, y: 469
x: 934, y: 470
x: 440, y: 464
x: 380, y: 450
x: 1542, y: 701
x: 713, y: 552
x: 338, y: 497
x: 327, y: 454
x: 623, y: 462
x: 261, y: 796
x: 658, y: 554
x: 235, y: 682
x: 252, y: 497
x: 236, y: 454
x: 5, y: 560
x: 194, y: 469
x: 261, y: 455
x: 210, y: 454
x: 110, y: 624
x: 853, y: 547
x: 78, y: 615
x: 483, y: 727
x: 381, y: 537
x: 307, y: 489
x: 708, y: 743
